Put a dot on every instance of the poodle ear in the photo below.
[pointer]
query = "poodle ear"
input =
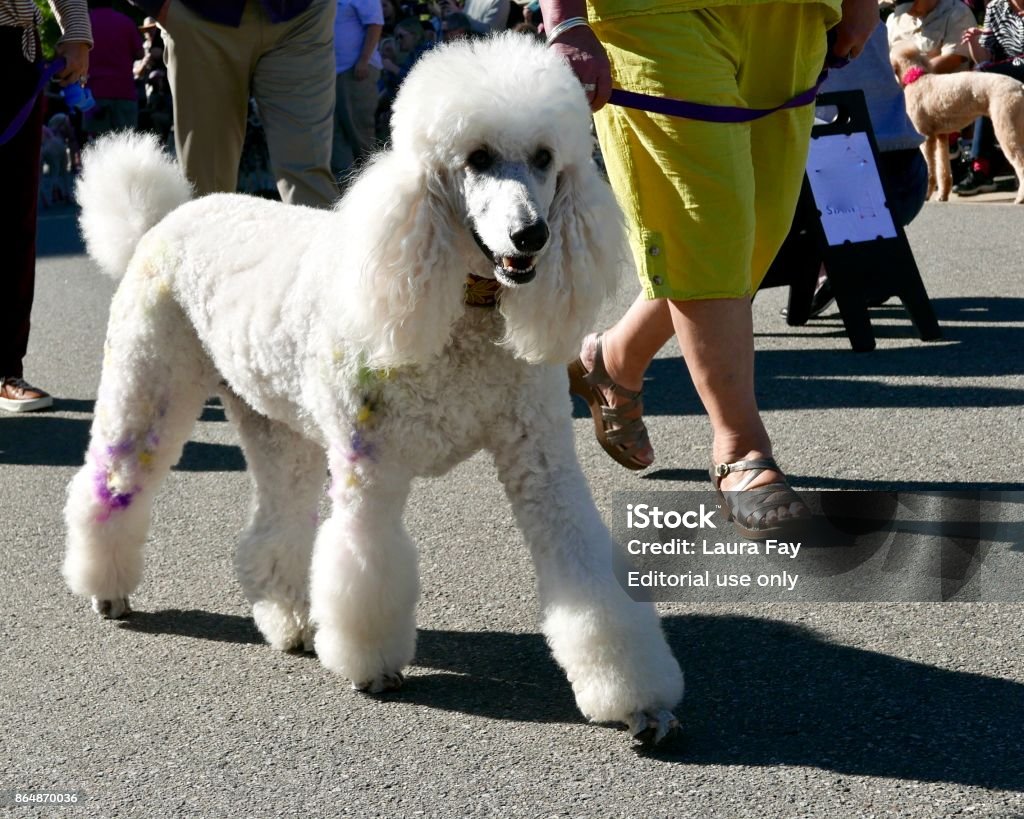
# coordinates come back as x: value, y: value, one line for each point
x: 404, y: 290
x: 546, y: 319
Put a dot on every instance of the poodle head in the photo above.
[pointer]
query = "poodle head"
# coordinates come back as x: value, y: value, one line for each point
x: 905, y: 58
x: 492, y: 150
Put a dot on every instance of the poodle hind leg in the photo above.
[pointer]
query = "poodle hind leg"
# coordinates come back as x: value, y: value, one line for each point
x: 273, y: 557
x: 154, y: 382
x: 1009, y: 128
x: 364, y: 582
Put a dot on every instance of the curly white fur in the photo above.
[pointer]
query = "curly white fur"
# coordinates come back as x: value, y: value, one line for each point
x: 342, y: 339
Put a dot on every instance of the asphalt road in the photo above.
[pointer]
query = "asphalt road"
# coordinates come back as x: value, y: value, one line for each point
x: 793, y: 710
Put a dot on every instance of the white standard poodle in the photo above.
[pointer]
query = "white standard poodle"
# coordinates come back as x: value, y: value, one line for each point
x: 344, y: 339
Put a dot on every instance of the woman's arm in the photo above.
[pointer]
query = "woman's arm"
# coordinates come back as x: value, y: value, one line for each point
x: 972, y: 37
x: 580, y: 47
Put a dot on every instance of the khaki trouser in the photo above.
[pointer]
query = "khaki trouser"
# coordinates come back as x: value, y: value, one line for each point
x: 355, y: 109
x: 288, y: 67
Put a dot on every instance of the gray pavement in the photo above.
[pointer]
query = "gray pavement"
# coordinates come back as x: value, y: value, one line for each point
x: 793, y: 710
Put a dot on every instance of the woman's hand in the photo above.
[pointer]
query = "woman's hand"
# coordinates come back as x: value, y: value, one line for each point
x: 587, y: 58
x: 972, y: 39
x: 972, y: 36
x: 76, y: 55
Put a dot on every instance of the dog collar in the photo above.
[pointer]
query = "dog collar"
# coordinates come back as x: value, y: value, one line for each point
x: 913, y: 75
x: 481, y: 292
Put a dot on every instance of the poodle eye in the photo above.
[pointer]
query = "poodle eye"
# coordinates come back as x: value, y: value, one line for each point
x: 481, y: 159
x: 542, y: 158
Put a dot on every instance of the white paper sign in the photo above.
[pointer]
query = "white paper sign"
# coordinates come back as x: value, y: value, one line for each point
x: 847, y: 190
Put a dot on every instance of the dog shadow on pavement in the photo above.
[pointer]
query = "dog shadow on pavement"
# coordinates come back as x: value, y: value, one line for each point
x: 60, y: 438
x: 760, y: 692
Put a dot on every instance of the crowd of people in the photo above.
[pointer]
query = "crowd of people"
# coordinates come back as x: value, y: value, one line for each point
x: 376, y: 43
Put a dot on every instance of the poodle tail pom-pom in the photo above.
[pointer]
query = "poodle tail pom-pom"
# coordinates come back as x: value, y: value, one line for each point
x: 128, y: 184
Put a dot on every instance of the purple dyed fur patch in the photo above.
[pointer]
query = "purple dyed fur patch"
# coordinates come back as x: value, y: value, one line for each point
x: 360, y: 448
x: 108, y: 498
x: 120, y: 450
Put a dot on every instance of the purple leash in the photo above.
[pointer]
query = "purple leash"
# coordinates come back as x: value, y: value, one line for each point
x: 708, y: 113
x: 45, y: 75
x: 726, y: 113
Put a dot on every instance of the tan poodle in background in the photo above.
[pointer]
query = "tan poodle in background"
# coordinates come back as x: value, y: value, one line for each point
x: 940, y: 104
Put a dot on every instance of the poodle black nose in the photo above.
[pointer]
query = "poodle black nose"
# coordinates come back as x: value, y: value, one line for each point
x: 531, y: 238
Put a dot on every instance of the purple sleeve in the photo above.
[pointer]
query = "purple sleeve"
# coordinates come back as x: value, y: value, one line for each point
x: 369, y: 12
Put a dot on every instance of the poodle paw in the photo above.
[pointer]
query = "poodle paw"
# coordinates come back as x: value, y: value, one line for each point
x: 111, y: 609
x: 283, y: 628
x: 381, y: 683
x: 652, y: 727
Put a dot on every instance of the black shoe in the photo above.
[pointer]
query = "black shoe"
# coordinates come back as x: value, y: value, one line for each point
x: 961, y: 168
x: 821, y: 300
x: 974, y: 183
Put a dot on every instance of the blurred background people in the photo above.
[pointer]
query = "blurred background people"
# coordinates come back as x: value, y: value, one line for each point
x: 20, y: 64
x: 117, y: 45
x: 357, y: 31
x: 936, y: 28
x: 221, y: 52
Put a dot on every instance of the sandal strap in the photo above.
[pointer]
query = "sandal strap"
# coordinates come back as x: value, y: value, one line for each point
x: 754, y: 465
x: 617, y: 414
x: 629, y: 434
x: 599, y: 377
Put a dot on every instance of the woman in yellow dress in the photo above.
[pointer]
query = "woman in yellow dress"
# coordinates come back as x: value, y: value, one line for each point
x: 707, y: 203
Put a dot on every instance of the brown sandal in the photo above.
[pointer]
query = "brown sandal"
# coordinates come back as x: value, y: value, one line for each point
x: 749, y: 508
x: 620, y: 437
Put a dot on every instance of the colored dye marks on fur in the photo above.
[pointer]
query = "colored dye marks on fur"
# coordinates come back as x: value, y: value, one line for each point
x: 112, y: 496
x: 346, y: 460
x: 117, y: 471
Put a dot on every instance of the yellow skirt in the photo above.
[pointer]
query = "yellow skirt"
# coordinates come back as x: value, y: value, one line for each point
x: 709, y: 204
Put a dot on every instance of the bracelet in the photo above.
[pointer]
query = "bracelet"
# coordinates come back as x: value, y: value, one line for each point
x: 564, y: 26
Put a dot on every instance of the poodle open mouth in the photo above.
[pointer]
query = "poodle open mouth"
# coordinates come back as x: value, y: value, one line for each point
x: 510, y: 271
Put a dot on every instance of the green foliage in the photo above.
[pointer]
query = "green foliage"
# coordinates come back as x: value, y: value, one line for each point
x: 49, y: 32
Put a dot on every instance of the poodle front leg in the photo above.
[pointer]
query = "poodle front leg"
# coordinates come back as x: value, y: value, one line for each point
x: 611, y: 647
x: 942, y: 168
x: 928, y: 152
x: 365, y: 583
